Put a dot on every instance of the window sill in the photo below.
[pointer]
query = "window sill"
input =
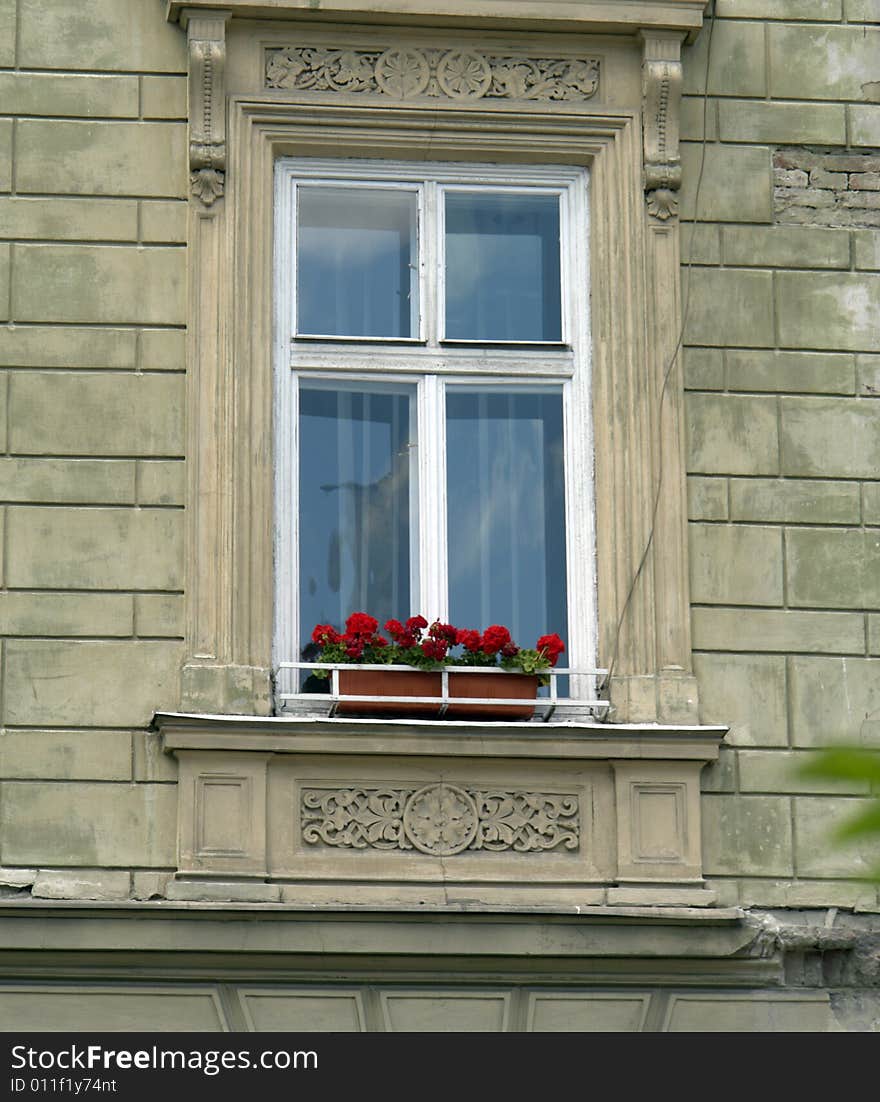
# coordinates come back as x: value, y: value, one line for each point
x: 403, y: 813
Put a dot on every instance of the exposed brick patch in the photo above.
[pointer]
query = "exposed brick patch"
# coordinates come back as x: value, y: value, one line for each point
x: 814, y: 187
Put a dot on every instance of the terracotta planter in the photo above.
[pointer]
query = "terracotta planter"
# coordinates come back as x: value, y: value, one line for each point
x: 503, y: 685
x: 406, y: 683
x: 389, y: 683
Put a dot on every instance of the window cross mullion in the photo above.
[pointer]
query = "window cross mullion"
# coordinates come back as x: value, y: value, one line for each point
x: 432, y: 482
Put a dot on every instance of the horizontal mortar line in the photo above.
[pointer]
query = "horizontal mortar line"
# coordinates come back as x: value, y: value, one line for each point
x: 120, y: 326
x: 834, y: 480
x: 113, y: 199
x: 24, y: 69
x: 53, y: 369
x: 73, y: 728
x: 97, y: 592
x: 110, y: 507
x: 38, y: 504
x: 74, y: 779
x: 791, y: 393
x: 78, y: 116
x: 94, y: 195
x: 785, y: 654
x: 822, y: 794
x: 727, y: 266
x: 775, y: 523
x: 799, y: 394
x: 96, y: 242
x: 76, y: 455
x: 78, y: 780
x: 67, y: 243
x: 89, y: 638
x: 832, y: 610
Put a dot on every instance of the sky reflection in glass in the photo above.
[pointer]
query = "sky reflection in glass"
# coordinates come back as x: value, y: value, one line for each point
x: 502, y: 267
x: 356, y: 262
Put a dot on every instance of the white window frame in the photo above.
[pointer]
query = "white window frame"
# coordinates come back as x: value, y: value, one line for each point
x: 429, y: 360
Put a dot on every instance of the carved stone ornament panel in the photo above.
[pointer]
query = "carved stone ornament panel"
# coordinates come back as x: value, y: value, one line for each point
x: 439, y: 819
x: 407, y: 72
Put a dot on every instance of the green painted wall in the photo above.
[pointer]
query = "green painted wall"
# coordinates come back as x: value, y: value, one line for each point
x: 783, y: 378
x: 784, y: 431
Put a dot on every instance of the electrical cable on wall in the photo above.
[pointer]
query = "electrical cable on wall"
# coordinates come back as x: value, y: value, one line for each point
x: 606, y: 682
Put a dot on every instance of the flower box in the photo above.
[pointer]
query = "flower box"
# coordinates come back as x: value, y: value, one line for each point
x: 501, y: 685
x: 397, y: 683
x: 491, y: 667
x: 420, y: 683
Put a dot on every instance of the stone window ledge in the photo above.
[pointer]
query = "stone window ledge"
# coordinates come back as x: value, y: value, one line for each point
x: 405, y: 814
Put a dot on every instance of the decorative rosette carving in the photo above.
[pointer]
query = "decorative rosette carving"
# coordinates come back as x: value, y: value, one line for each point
x: 408, y: 72
x: 440, y: 819
x: 402, y: 73
x: 463, y: 75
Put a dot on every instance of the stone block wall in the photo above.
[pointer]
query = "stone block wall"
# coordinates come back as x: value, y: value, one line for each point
x: 92, y: 312
x: 782, y: 364
x: 783, y: 377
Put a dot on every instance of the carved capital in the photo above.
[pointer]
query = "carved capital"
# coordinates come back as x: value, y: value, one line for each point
x: 206, y: 37
x: 661, y: 108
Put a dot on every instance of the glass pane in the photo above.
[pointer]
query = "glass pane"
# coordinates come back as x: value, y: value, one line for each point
x: 502, y: 267
x: 356, y: 513
x: 356, y: 256
x: 506, y: 524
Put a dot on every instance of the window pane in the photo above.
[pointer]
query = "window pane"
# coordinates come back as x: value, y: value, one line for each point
x: 356, y: 515
x: 502, y: 267
x: 356, y: 262
x: 506, y: 524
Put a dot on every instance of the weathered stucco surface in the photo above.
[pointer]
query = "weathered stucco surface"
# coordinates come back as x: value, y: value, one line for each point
x: 781, y: 243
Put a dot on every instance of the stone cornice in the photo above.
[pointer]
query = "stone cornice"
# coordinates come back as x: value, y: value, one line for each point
x: 588, y: 16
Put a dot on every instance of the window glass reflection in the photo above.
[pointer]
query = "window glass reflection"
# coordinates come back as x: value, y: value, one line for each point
x: 356, y: 262
x: 506, y: 523
x: 356, y: 516
x: 502, y: 267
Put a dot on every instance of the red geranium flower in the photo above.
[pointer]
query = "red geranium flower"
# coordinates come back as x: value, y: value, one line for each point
x: 324, y: 634
x: 360, y: 623
x: 415, y: 624
x: 435, y: 648
x: 470, y: 640
x: 551, y: 646
x: 494, y: 638
x: 443, y: 631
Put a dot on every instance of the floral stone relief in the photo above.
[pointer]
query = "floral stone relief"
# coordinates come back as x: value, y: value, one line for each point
x: 406, y: 72
x: 439, y: 819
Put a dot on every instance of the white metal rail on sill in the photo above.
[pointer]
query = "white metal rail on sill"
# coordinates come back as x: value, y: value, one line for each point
x: 545, y: 706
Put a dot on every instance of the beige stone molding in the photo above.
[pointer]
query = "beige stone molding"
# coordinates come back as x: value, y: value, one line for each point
x: 635, y: 321
x: 405, y: 73
x: 661, y: 107
x: 350, y: 812
x: 585, y: 16
x: 206, y: 39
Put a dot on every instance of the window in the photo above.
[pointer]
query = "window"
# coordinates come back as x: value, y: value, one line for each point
x: 433, y: 426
